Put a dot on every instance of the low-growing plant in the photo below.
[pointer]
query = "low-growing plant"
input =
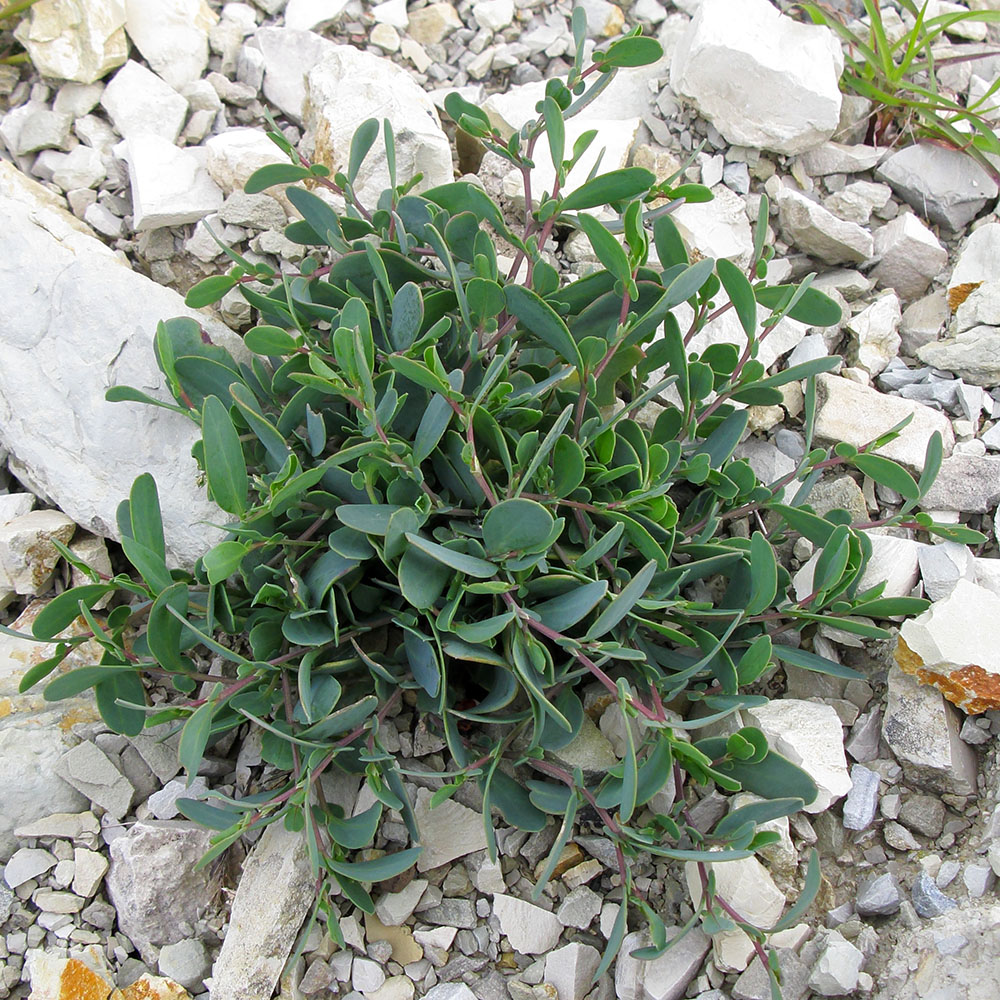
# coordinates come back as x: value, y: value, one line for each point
x: 505, y: 499
x: 900, y: 79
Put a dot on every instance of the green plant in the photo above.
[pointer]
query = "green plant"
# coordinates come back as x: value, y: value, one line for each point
x: 900, y: 79
x: 8, y: 11
x: 444, y: 486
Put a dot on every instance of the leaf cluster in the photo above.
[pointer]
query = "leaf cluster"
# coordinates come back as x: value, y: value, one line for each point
x: 497, y: 497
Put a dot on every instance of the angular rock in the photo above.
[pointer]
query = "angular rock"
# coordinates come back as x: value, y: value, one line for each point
x: 138, y: 101
x: 432, y: 24
x: 856, y: 414
x: 980, y: 307
x: 530, y: 929
x: 404, y: 948
x: 810, y: 735
x: 947, y: 646
x: 856, y: 202
x: 979, y: 259
x: 154, y: 887
x: 748, y: 888
x: 663, y: 978
x: 90, y: 772
x: 836, y: 970
x: 449, y: 991
x: 172, y: 36
x: 795, y: 101
x: 59, y: 355
x: 928, y: 899
x: 922, y: 730
x: 309, y: 14
x: 589, y: 750
x: 878, y: 897
x: 571, y: 969
x: 84, y: 975
x: 27, y: 555
x: 973, y: 355
x: 969, y: 483
x: 395, y: 908
x: 945, y: 186
x: 170, y: 186
x: 349, y: 86
x: 26, y: 864
x: 819, y: 232
x: 274, y: 895
x: 235, y: 154
x: 288, y: 55
x: 910, y: 256
x: 875, y: 340
x: 838, y: 158
x: 924, y: 814
x: 82, y: 167
x: 861, y: 803
x: 943, y: 565
x: 89, y: 870
x: 448, y: 831
x: 77, y: 40
x: 717, y: 228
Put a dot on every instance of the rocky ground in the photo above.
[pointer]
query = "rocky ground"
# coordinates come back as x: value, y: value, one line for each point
x: 120, y: 150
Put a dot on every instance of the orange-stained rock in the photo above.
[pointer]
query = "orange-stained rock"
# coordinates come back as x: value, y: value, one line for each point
x: 82, y: 977
x: 952, y: 646
x: 148, y: 987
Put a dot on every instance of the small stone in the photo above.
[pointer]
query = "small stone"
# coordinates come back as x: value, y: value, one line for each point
x: 910, y: 256
x: 862, y: 800
x: 838, y: 158
x: 837, y: 968
x: 899, y: 838
x: 928, y: 899
x: 663, y: 978
x: 89, y: 770
x: 579, y: 908
x: 58, y: 902
x: 878, y: 897
x: 366, y: 975
x: 450, y: 991
x: 924, y: 814
x: 973, y: 355
x: 89, y: 871
x: 172, y: 36
x: 530, y: 929
x: 820, y: 233
x: 493, y: 15
x: 978, y: 879
x: 27, y: 555
x: 448, y: 831
x: 187, y: 962
x: 138, y: 101
x: 571, y: 969
x: 310, y: 15
x: 395, y: 908
x: 26, y: 864
x: 432, y: 24
x: 385, y: 36
x: 876, y: 339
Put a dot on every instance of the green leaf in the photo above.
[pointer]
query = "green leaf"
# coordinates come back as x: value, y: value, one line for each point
x: 224, y: 559
x: 70, y: 684
x: 422, y: 579
x: 555, y: 129
x: 756, y: 813
x: 740, y: 293
x: 814, y: 662
x: 541, y: 320
x: 194, y: 738
x: 209, y: 290
x: 639, y: 50
x: 562, y: 612
x: 149, y: 564
x: 125, y: 686
x: 144, y: 510
x: 377, y: 870
x: 609, y: 251
x: 512, y: 799
x: 813, y: 308
x: 620, y: 185
x: 163, y: 629
x: 407, y: 316
x: 418, y: 373
x: 601, y: 547
x: 670, y: 249
x: 270, y: 341
x: 432, y: 426
x: 372, y: 519
x: 615, y: 938
x: 362, y: 141
x: 887, y: 473
x: 562, y: 839
x: 64, y: 609
x: 689, y: 282
x: 763, y: 575
x: 469, y: 565
x: 516, y: 524
x: 358, y: 832
x: 225, y: 465
x: 623, y: 602
x: 274, y: 173
x: 773, y: 777
x: 207, y: 815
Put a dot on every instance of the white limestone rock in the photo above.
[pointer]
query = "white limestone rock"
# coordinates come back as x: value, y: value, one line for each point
x: 89, y: 869
x: 948, y: 647
x: 981, y: 307
x: 59, y: 355
x: 27, y: 555
x: 172, y: 36
x: 170, y: 186
x: 82, y: 167
x: 448, y: 831
x: 27, y: 863
x: 571, y: 969
x: 430, y: 25
x: 922, y: 730
x: 969, y: 483
x: 839, y: 158
x: 663, y: 978
x: 273, y: 897
x: 78, y: 40
x: 794, y: 102
x: 493, y: 15
x: 235, y: 154
x: 750, y: 890
x: 945, y: 186
x: 819, y: 232
x: 138, y: 101
x: 90, y: 771
x: 810, y: 735
x: 973, y: 355
x: 153, y: 885
x: 875, y: 338
x: 391, y: 12
x: 910, y: 256
x: 350, y: 86
x: 856, y: 414
x: 836, y: 971
x: 288, y: 56
x: 305, y: 15
x: 530, y: 929
x: 718, y: 228
x: 856, y: 202
x: 979, y: 259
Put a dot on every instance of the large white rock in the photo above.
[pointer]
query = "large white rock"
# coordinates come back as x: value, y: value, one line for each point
x: 75, y: 322
x: 810, y: 735
x: 347, y: 88
x: 761, y: 78
x: 819, y: 232
x: 717, y: 228
x: 274, y: 894
x: 78, y: 40
x: 288, y: 56
x: 909, y: 254
x: 170, y: 186
x: 530, y: 929
x: 748, y: 888
x: 138, y: 101
x: 856, y: 414
x: 309, y: 14
x: 949, y: 647
x: 172, y: 36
